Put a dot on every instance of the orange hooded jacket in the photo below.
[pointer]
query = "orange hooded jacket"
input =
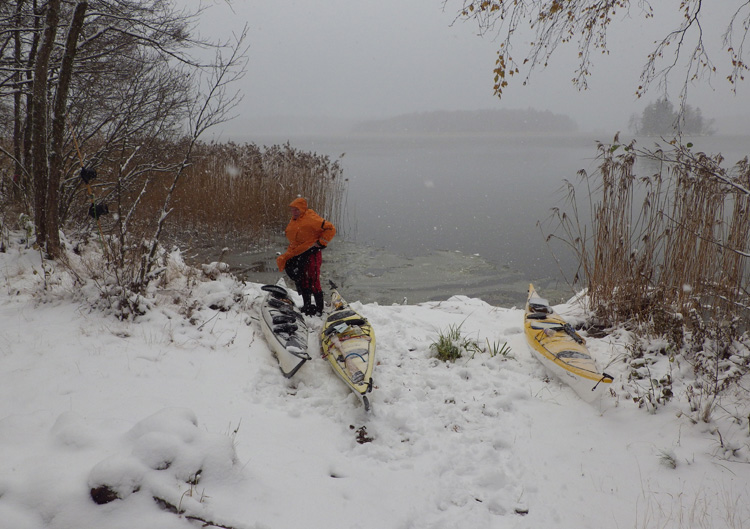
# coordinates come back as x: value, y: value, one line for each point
x: 309, y: 228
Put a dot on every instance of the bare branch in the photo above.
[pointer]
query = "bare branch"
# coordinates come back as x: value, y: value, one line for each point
x: 587, y: 22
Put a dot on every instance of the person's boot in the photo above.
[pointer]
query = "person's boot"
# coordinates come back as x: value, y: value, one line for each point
x: 319, y: 303
x: 307, y: 307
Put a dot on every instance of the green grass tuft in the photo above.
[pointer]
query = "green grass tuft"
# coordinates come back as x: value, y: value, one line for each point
x: 452, y: 344
x: 496, y: 349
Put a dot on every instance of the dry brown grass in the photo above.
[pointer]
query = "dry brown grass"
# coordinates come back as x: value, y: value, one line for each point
x: 240, y: 193
x: 230, y: 194
x: 666, y: 247
x: 666, y: 255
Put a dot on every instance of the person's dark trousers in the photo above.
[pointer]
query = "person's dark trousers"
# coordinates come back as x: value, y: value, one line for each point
x: 319, y: 302
x: 307, y: 307
x: 304, y: 270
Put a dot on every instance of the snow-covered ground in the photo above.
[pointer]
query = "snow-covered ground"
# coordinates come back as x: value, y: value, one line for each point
x: 183, y: 413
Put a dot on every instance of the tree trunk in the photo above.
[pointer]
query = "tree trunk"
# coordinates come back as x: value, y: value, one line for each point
x: 18, y: 176
x: 39, y: 119
x: 26, y: 155
x: 58, y: 132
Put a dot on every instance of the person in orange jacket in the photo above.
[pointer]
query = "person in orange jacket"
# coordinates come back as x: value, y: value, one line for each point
x: 308, y: 234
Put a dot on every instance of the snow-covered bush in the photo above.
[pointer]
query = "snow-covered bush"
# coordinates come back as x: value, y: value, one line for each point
x: 165, y: 457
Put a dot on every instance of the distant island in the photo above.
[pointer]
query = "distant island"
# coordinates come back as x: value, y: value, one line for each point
x: 502, y: 121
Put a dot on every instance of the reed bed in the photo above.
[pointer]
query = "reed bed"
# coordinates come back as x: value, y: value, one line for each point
x: 230, y: 194
x: 240, y: 193
x: 666, y: 255
x: 665, y: 249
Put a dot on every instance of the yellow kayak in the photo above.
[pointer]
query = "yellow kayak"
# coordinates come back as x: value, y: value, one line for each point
x: 348, y: 343
x: 561, y: 349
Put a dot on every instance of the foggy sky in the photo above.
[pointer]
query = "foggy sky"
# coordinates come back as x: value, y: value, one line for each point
x: 381, y: 58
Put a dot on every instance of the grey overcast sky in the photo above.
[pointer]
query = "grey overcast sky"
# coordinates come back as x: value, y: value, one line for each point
x: 362, y: 59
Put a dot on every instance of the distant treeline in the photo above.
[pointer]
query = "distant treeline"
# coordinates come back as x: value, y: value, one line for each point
x: 472, y: 122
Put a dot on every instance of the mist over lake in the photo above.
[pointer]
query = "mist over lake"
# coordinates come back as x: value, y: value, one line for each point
x: 476, y: 195
x: 488, y: 197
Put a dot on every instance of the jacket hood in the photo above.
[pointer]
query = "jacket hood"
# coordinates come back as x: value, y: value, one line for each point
x: 299, y: 203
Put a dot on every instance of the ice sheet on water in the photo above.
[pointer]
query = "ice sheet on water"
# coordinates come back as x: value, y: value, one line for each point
x: 377, y: 275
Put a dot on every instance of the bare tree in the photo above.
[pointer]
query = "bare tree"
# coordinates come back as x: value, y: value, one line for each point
x: 52, y: 189
x: 587, y: 22
x: 113, y: 74
x: 39, y: 167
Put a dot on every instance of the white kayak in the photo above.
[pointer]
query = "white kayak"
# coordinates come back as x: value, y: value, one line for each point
x: 284, y: 329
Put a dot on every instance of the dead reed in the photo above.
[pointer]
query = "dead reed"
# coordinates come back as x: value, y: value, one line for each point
x: 667, y: 247
x: 240, y: 193
x: 230, y: 194
x: 666, y: 255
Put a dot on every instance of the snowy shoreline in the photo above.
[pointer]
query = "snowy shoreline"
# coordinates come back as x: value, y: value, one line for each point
x: 484, y: 442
